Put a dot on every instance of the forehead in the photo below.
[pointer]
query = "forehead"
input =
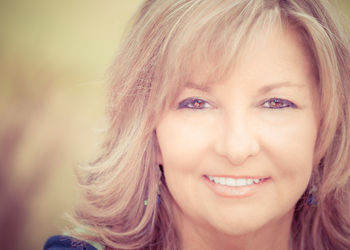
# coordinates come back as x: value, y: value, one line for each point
x: 211, y: 53
x: 268, y: 55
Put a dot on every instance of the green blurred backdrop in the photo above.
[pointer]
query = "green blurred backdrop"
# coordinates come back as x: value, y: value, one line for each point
x: 53, y: 59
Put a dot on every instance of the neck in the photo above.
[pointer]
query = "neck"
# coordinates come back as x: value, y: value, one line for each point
x: 272, y: 236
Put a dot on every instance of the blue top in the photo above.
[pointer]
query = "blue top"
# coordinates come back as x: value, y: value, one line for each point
x: 60, y: 242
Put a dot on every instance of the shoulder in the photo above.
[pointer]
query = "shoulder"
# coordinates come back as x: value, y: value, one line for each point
x: 60, y: 242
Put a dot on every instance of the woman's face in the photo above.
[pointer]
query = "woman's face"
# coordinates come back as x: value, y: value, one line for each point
x: 238, y: 154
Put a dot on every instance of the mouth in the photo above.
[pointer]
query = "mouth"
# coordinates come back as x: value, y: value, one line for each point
x: 235, y: 182
x: 236, y: 187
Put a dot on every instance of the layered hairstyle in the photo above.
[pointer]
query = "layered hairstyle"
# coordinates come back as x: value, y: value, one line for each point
x: 166, y: 44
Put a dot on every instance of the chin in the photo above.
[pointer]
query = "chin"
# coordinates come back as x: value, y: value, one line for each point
x: 249, y: 224
x: 240, y: 228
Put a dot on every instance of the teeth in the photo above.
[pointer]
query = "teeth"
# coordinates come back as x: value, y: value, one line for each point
x: 234, y: 182
x: 241, y: 182
x: 216, y: 180
x: 231, y: 182
x: 222, y: 181
x: 256, y: 181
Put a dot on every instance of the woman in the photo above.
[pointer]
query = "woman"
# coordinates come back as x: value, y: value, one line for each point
x: 228, y: 130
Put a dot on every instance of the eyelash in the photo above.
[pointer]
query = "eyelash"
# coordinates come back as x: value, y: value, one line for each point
x: 193, y: 103
x: 198, y: 103
x: 278, y: 101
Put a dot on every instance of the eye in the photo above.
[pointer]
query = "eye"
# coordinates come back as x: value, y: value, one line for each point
x: 277, y: 103
x: 193, y: 103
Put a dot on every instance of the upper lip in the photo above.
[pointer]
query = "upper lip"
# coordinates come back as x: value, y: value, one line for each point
x: 240, y: 176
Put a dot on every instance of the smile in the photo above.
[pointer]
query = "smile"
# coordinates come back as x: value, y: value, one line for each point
x: 235, y: 182
x: 236, y: 187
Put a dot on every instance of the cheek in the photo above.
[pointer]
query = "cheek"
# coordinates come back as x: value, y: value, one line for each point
x: 290, y: 148
x: 181, y: 149
x: 292, y: 137
x: 182, y: 141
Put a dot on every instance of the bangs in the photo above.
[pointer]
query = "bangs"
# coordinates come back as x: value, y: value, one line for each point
x: 209, y: 39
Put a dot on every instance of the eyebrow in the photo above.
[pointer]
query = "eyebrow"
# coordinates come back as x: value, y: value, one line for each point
x: 263, y: 90
x: 277, y: 85
x: 201, y: 87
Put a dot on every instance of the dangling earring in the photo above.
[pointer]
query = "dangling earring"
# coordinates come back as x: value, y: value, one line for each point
x: 315, y: 179
x: 145, y: 202
x: 158, y: 194
x: 311, y: 199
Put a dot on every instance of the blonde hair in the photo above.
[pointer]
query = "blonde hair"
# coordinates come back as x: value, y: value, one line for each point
x: 168, y: 41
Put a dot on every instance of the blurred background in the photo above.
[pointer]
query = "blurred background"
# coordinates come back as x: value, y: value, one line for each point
x: 53, y: 61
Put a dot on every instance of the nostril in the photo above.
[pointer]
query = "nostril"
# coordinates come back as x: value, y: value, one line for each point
x: 237, y: 150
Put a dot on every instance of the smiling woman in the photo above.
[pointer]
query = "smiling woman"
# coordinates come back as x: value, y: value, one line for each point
x: 228, y: 130
x: 250, y: 143
x: 247, y: 146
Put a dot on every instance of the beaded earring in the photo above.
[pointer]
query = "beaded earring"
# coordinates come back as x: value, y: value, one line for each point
x: 312, y: 200
x: 145, y: 202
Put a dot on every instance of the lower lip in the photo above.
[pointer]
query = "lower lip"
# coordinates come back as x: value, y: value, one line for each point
x: 236, y: 192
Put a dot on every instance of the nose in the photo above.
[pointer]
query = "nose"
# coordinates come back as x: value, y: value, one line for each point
x: 237, y: 140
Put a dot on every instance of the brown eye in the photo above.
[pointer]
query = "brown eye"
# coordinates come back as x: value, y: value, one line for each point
x: 193, y: 103
x: 277, y: 103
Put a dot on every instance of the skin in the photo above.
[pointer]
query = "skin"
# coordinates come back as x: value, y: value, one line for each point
x: 237, y: 131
